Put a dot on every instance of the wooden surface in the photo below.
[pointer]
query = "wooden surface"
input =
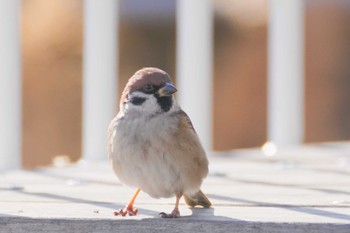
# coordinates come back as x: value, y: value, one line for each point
x: 300, y: 189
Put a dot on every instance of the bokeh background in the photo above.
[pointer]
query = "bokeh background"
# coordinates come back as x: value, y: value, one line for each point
x: 52, y: 69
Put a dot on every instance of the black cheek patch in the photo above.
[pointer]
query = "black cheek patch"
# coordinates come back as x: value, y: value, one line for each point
x: 165, y: 102
x: 137, y: 100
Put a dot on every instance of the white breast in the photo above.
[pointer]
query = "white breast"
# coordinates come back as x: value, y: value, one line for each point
x: 139, y: 155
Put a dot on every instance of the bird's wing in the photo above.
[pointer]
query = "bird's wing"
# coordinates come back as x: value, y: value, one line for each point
x: 187, y: 119
x: 198, y: 199
x: 189, y: 145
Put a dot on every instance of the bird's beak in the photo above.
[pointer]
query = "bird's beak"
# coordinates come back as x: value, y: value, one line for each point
x: 167, y: 90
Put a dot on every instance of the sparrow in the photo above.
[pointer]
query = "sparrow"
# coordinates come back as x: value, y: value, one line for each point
x: 153, y: 146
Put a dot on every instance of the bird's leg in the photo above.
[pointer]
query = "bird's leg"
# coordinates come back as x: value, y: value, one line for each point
x: 175, y: 213
x: 129, y: 209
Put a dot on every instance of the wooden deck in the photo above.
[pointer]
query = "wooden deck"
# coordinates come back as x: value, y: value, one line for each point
x: 304, y: 189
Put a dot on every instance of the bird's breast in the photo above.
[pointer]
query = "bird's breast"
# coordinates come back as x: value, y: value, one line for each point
x: 156, y: 156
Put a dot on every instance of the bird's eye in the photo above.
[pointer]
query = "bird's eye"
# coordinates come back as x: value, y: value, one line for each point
x: 148, y: 88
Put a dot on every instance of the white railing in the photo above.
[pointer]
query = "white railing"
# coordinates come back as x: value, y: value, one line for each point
x: 194, y: 64
x: 194, y: 73
x: 10, y: 85
x: 285, y: 72
x: 100, y: 75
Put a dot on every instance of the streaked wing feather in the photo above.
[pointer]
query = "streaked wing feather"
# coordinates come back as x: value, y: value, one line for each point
x: 188, y: 120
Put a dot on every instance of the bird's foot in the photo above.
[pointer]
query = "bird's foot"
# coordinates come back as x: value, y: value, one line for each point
x: 174, y: 214
x: 129, y: 210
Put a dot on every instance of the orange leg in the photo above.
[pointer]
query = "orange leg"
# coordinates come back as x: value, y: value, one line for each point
x: 129, y: 209
x: 175, y: 213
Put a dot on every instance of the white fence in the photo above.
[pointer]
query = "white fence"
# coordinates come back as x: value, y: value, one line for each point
x: 10, y: 85
x: 194, y: 68
x: 100, y: 75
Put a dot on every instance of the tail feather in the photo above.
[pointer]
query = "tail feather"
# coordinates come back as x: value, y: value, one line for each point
x: 198, y: 199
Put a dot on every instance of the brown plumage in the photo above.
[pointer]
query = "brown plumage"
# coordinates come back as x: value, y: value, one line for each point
x: 153, y: 145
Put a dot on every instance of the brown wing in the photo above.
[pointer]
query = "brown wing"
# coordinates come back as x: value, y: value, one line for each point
x: 198, y: 199
x: 188, y: 120
x: 190, y: 144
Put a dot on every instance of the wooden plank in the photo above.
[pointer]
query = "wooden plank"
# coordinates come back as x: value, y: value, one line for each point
x: 306, y: 189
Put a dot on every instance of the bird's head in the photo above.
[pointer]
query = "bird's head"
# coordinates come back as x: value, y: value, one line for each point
x: 150, y: 91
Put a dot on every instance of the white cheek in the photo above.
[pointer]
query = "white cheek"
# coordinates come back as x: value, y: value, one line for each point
x: 149, y: 106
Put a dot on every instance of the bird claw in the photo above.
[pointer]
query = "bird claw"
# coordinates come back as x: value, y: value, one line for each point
x: 174, y: 214
x: 126, y: 211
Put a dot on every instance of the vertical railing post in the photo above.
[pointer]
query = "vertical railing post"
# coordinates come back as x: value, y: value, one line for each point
x: 100, y: 75
x: 286, y: 72
x: 10, y: 85
x: 194, y: 64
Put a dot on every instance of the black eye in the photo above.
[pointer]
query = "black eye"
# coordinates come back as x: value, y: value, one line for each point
x: 148, y: 88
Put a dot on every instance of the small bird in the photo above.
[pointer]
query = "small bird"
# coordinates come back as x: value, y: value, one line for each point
x: 153, y: 146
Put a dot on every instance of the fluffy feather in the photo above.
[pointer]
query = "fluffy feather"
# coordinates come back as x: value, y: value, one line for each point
x: 154, y: 148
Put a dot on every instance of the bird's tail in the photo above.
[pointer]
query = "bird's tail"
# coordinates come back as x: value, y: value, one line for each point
x: 197, y: 199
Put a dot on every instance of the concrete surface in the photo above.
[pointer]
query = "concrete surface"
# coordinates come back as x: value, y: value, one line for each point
x: 305, y: 189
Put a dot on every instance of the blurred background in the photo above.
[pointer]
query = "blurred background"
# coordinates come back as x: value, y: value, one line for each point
x: 52, y: 70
